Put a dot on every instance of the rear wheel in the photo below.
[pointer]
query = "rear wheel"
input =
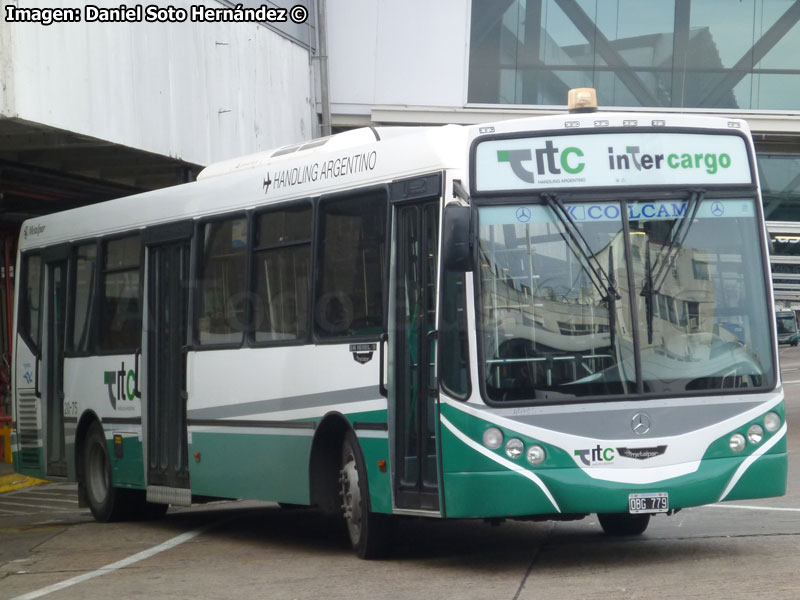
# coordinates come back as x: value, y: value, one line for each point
x: 623, y: 524
x: 370, y: 533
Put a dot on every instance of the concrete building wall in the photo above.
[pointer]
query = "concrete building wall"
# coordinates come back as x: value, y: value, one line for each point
x: 199, y: 92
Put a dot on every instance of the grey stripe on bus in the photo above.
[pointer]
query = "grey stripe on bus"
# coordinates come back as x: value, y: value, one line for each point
x: 289, y: 403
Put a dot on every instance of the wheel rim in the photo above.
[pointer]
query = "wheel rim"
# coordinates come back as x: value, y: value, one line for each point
x: 97, y: 476
x: 351, y: 498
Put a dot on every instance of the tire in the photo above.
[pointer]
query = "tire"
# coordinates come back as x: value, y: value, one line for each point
x: 105, y: 501
x: 109, y: 503
x: 370, y: 533
x: 623, y: 524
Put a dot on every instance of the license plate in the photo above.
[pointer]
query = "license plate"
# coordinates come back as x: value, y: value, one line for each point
x: 656, y: 502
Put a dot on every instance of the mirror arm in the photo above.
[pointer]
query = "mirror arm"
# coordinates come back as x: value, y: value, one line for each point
x: 459, y: 191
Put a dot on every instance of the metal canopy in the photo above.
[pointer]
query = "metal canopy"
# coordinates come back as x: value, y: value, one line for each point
x: 44, y: 170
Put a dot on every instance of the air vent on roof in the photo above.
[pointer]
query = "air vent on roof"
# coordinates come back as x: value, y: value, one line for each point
x: 298, y: 147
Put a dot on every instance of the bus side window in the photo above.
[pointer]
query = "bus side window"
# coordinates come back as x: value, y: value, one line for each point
x: 31, y: 300
x: 281, y: 262
x: 121, y: 317
x: 350, y: 277
x: 83, y: 298
x: 222, y: 310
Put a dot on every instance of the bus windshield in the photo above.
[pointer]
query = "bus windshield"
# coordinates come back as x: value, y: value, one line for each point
x: 570, y: 308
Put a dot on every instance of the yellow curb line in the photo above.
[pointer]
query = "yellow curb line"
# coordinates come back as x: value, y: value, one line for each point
x: 16, y: 481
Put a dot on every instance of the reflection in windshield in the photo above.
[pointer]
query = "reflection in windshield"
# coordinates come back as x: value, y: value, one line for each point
x: 550, y: 328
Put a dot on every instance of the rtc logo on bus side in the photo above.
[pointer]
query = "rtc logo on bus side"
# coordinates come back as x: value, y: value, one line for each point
x: 125, y: 388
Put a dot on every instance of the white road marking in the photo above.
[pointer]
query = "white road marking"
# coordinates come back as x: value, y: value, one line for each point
x: 36, y: 499
x: 31, y: 505
x: 11, y: 512
x: 54, y: 494
x: 792, y: 381
x: 120, y: 564
x: 744, y: 507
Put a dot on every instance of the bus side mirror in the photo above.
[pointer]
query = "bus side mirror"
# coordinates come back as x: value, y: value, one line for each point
x: 457, y: 238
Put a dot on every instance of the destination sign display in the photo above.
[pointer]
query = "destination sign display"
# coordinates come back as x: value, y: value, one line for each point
x: 600, y: 160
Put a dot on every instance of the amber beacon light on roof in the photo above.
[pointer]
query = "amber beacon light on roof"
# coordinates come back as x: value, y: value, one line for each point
x: 582, y: 100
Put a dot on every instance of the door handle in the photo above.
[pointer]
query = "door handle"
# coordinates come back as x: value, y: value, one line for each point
x: 136, y: 391
x: 36, y: 391
x: 184, y: 368
x: 382, y: 361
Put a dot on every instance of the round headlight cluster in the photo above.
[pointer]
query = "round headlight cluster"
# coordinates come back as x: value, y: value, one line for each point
x: 755, y: 433
x: 514, y: 448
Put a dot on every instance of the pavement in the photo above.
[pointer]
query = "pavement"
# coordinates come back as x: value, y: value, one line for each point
x: 10, y: 480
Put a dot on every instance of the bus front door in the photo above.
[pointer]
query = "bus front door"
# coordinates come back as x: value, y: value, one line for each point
x: 165, y: 359
x: 412, y: 346
x: 53, y: 363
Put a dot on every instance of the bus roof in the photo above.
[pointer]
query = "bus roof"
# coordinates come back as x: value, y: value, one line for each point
x: 348, y: 160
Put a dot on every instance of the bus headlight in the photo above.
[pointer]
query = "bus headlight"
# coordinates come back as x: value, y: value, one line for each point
x: 514, y: 448
x: 737, y: 442
x: 492, y: 438
x: 535, y: 455
x: 772, y: 421
x: 755, y: 433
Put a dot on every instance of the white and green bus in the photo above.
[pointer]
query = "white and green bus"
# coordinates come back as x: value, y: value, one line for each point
x: 540, y: 318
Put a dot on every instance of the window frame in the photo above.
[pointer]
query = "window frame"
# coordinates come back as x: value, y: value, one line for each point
x: 102, y: 251
x: 317, y: 247
x: 196, y: 277
x: 24, y: 332
x: 92, y: 316
x: 252, y: 285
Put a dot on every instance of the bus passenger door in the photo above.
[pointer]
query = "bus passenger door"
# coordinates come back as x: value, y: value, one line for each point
x: 411, y: 347
x: 53, y: 358
x: 167, y: 293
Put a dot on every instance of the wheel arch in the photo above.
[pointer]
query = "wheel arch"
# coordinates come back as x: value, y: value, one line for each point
x: 324, y: 462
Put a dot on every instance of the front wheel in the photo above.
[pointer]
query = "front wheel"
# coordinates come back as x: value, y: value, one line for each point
x: 109, y: 503
x: 105, y: 500
x: 623, y: 524
x: 370, y: 533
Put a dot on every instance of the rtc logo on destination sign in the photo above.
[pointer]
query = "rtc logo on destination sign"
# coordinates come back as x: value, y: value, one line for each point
x: 611, y: 159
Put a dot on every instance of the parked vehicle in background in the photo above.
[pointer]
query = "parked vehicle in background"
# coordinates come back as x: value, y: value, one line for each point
x: 787, y: 327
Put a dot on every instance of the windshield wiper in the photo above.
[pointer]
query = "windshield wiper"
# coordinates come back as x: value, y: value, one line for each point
x: 612, y: 302
x: 676, y: 241
x: 597, y: 274
x: 653, y: 283
x: 648, y: 293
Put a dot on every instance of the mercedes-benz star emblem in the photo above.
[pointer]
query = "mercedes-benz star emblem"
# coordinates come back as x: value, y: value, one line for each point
x: 523, y: 214
x: 640, y: 423
x: 717, y: 209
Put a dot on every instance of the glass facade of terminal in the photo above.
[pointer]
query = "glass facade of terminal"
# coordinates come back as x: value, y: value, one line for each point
x: 779, y: 175
x: 729, y: 54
